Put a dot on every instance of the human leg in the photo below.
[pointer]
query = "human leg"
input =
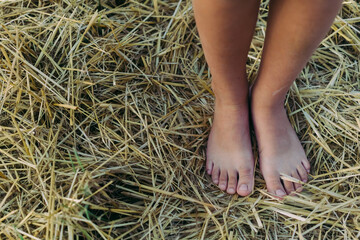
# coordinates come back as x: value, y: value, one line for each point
x: 294, y: 30
x: 226, y: 28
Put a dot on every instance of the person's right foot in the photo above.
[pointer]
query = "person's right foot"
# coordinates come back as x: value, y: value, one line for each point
x: 229, y: 158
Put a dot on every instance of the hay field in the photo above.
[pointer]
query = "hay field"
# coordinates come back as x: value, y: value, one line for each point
x: 105, y: 111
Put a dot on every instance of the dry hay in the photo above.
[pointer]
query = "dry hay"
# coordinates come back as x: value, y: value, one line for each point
x: 104, y: 115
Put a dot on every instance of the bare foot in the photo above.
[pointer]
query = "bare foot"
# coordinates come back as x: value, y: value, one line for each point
x: 229, y: 153
x: 280, y: 150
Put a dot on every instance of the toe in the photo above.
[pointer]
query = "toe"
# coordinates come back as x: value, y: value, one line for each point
x: 302, y: 173
x: 209, y: 166
x: 231, y: 188
x: 274, y: 186
x: 223, y: 179
x: 246, y: 181
x: 215, y: 174
x: 298, y: 186
x: 289, y: 186
x: 306, y: 165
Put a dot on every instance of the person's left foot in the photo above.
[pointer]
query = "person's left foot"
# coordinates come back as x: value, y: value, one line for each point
x: 280, y: 151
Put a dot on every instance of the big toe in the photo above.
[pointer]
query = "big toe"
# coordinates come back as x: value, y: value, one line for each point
x: 246, y: 181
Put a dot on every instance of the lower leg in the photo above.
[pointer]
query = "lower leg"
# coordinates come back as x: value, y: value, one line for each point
x: 226, y: 29
x: 295, y: 29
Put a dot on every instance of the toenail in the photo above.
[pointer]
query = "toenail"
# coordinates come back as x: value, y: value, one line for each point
x: 280, y: 192
x: 222, y: 186
x: 231, y: 190
x: 243, y: 187
x: 216, y: 181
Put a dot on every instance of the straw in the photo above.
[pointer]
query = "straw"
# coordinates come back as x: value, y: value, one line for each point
x: 105, y: 110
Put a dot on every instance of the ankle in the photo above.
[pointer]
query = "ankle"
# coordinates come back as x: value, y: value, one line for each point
x: 227, y: 103
x: 231, y: 100
x: 228, y: 110
x: 263, y: 102
x: 233, y: 96
x: 267, y: 107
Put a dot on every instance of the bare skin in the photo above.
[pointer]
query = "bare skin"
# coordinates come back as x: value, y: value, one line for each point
x: 295, y: 28
x: 229, y: 154
x: 280, y: 151
x: 229, y: 141
x: 288, y: 46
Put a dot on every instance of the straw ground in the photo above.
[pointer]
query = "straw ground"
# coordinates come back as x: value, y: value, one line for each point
x: 105, y: 109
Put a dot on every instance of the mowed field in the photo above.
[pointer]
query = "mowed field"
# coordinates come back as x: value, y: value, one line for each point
x: 105, y: 110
